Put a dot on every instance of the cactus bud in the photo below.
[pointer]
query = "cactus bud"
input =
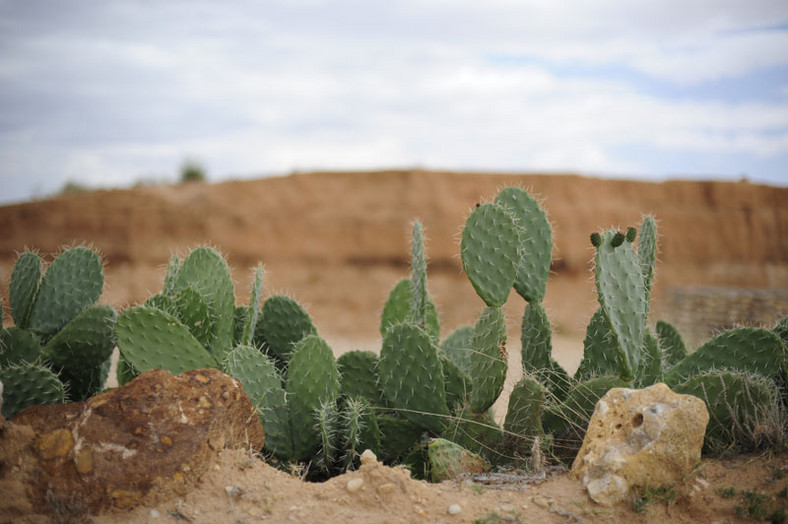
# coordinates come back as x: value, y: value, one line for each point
x: 596, y: 239
x: 618, y: 239
x: 631, y: 234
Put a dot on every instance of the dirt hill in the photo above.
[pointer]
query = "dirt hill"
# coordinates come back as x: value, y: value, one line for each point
x: 339, y: 241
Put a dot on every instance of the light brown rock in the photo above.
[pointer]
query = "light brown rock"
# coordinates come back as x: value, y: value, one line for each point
x: 649, y: 437
x: 155, y: 437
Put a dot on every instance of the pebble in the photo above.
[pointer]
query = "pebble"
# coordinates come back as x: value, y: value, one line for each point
x: 355, y: 484
x: 368, y: 457
x: 454, y: 509
x: 388, y: 487
x: 541, y: 501
x: 154, y: 513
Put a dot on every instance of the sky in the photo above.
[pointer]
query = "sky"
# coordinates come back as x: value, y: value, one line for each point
x: 108, y: 93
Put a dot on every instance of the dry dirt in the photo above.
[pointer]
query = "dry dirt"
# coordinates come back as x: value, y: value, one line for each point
x: 244, y: 489
x: 338, y: 242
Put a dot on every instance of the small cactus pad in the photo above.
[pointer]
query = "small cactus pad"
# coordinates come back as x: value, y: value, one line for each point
x: 670, y: 343
x: 83, y: 383
x: 458, y: 385
x: 85, y: 342
x: 457, y: 347
x: 358, y: 372
x: 206, y: 271
x: 621, y: 293
x: 27, y: 385
x: 418, y: 278
x: 448, y: 460
x: 536, y: 242
x: 570, y: 418
x: 489, y: 359
x: 23, y: 288
x: 312, y: 379
x: 411, y: 376
x: 282, y: 324
x: 647, y: 252
x: 752, y: 350
x: 149, y: 338
x: 600, y: 354
x: 491, y: 250
x: 524, y: 417
x: 261, y: 381
x: 250, y: 323
x: 72, y: 282
x: 536, y: 338
x: 650, y: 371
x: 399, y: 309
x: 195, y: 313
x: 18, y: 346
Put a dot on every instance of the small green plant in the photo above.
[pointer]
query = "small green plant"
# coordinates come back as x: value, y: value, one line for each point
x: 659, y: 495
x: 192, y: 171
x: 761, y: 506
x: 727, y: 493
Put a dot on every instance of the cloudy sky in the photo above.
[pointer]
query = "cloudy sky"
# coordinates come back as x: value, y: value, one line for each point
x: 108, y: 92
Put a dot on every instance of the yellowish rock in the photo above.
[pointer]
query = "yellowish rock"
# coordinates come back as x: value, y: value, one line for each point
x: 649, y: 437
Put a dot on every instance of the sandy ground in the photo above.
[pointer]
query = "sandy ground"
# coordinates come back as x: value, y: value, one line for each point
x: 242, y: 489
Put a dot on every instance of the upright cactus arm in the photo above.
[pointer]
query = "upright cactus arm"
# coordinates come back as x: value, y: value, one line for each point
x: 536, y: 240
x: 25, y: 280
x: 418, y: 279
x: 254, y: 307
x: 171, y: 276
x: 647, y: 253
x: 620, y: 290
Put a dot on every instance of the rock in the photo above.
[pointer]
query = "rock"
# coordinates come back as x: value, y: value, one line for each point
x: 147, y: 441
x: 649, y: 437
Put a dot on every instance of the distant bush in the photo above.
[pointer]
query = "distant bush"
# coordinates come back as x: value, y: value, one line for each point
x: 192, y: 172
x: 72, y: 187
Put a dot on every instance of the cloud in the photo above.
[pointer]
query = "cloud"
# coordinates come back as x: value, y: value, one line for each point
x: 113, y: 91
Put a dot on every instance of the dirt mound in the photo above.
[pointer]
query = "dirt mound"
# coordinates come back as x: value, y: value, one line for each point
x: 339, y: 241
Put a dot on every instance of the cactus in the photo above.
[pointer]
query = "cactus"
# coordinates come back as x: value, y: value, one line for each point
x: 253, y: 311
x: 358, y: 430
x: 478, y: 433
x: 411, y: 377
x: 491, y: 250
x: 397, y: 437
x: 399, y: 309
x: 650, y: 371
x: 206, y: 271
x: 621, y: 292
x: 18, y: 346
x: 457, y: 384
x: 72, y: 282
x: 312, y: 379
x: 448, y: 460
x: 537, y: 348
x: 27, y: 385
x: 743, y: 408
x: 671, y: 344
x: 327, y: 428
x: 418, y: 278
x: 524, y: 417
x: 60, y: 331
x: 599, y: 349
x: 194, y: 312
x: 261, y: 381
x: 752, y: 350
x: 149, y: 338
x: 647, y: 253
x: 536, y: 240
x: 25, y: 280
x: 457, y: 348
x: 283, y: 323
x: 488, y: 359
x: 358, y: 372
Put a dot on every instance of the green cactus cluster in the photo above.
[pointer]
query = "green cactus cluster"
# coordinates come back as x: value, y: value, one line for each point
x: 422, y: 400
x: 60, y: 345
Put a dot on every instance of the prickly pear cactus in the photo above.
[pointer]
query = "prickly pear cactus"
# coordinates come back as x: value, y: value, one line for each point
x: 621, y: 292
x: 312, y: 379
x: 489, y: 359
x: 491, y: 250
x: 536, y: 242
x: 72, y: 282
x: 524, y: 417
x: 671, y: 344
x: 86, y: 341
x: 282, y: 324
x: 205, y: 270
x: 27, y: 385
x: 358, y: 376
x: 399, y: 309
x: 411, y: 377
x: 149, y: 338
x: 23, y: 288
x: 752, y: 350
x: 600, y: 353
